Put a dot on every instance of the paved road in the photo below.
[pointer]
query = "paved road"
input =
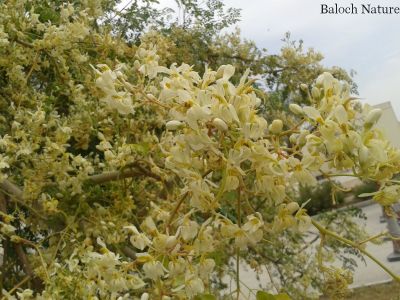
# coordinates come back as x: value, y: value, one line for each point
x: 366, y: 273
x: 371, y: 273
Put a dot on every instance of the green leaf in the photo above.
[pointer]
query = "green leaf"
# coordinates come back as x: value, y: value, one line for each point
x: 267, y: 296
x: 363, y: 195
x: 205, y: 297
x: 264, y: 296
x: 282, y: 297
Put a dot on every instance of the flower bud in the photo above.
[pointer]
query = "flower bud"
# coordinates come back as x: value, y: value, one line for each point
x: 145, y: 296
x: 363, y: 154
x: 292, y: 207
x: 276, y: 126
x: 151, y: 97
x: 171, y: 242
x: 302, y: 139
x: 315, y: 93
x: 373, y: 116
x: 304, y: 87
x: 220, y: 124
x: 296, y: 109
x: 173, y: 125
x: 293, y: 139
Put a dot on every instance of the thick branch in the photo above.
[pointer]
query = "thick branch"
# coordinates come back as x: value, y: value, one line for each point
x: 117, y: 175
x: 23, y: 260
x: 15, y: 193
x: 12, y: 189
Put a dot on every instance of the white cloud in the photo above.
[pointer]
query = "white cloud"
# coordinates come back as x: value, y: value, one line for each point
x: 365, y: 43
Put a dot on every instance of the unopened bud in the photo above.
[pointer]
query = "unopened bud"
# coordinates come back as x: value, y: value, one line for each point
x: 315, y: 93
x: 151, y: 97
x: 304, y: 87
x: 220, y: 124
x: 173, y: 125
x: 171, y: 242
x: 145, y: 296
x: 373, y: 116
x: 293, y: 139
x: 292, y: 207
x: 296, y: 109
x: 276, y: 126
x: 363, y: 154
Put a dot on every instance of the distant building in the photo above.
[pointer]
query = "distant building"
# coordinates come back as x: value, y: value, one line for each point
x: 389, y: 124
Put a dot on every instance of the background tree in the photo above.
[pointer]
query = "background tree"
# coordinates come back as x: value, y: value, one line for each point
x: 86, y: 187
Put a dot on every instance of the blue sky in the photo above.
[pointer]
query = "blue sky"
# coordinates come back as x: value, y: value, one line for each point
x: 368, y: 44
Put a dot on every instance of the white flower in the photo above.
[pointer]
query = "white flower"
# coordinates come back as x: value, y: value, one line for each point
x: 206, y: 267
x: 232, y: 183
x: 176, y: 267
x: 193, y: 285
x: 121, y: 101
x: 341, y: 114
x: 137, y: 239
x: 25, y: 294
x: 226, y: 72
x: 312, y: 113
x: 325, y: 80
x: 106, y: 82
x: 189, y: 230
x: 254, y: 223
x: 204, y: 242
x: 153, y: 269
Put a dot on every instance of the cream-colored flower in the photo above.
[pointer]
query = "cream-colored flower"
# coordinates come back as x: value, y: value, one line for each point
x: 153, y: 269
x: 193, y: 285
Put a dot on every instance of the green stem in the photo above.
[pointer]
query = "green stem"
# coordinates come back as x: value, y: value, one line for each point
x: 239, y: 221
x: 359, y: 247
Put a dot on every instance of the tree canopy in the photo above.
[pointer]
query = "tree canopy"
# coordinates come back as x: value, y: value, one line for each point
x: 147, y: 157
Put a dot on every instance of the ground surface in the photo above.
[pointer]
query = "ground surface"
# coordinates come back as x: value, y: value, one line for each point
x: 385, y: 291
x: 371, y: 273
x: 366, y: 274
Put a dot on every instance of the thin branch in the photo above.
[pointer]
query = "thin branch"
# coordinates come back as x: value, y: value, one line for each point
x: 26, y: 266
x: 19, y: 284
x: 23, y: 43
x: 359, y: 247
x: 3, y: 208
x: 175, y: 210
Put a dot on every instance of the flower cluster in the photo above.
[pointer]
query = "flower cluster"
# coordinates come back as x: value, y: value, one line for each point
x: 124, y: 179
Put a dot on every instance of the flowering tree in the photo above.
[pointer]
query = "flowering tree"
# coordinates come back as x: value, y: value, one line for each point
x: 125, y: 179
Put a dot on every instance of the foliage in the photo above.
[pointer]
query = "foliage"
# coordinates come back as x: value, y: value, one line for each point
x: 126, y: 177
x: 365, y: 187
x: 324, y: 196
